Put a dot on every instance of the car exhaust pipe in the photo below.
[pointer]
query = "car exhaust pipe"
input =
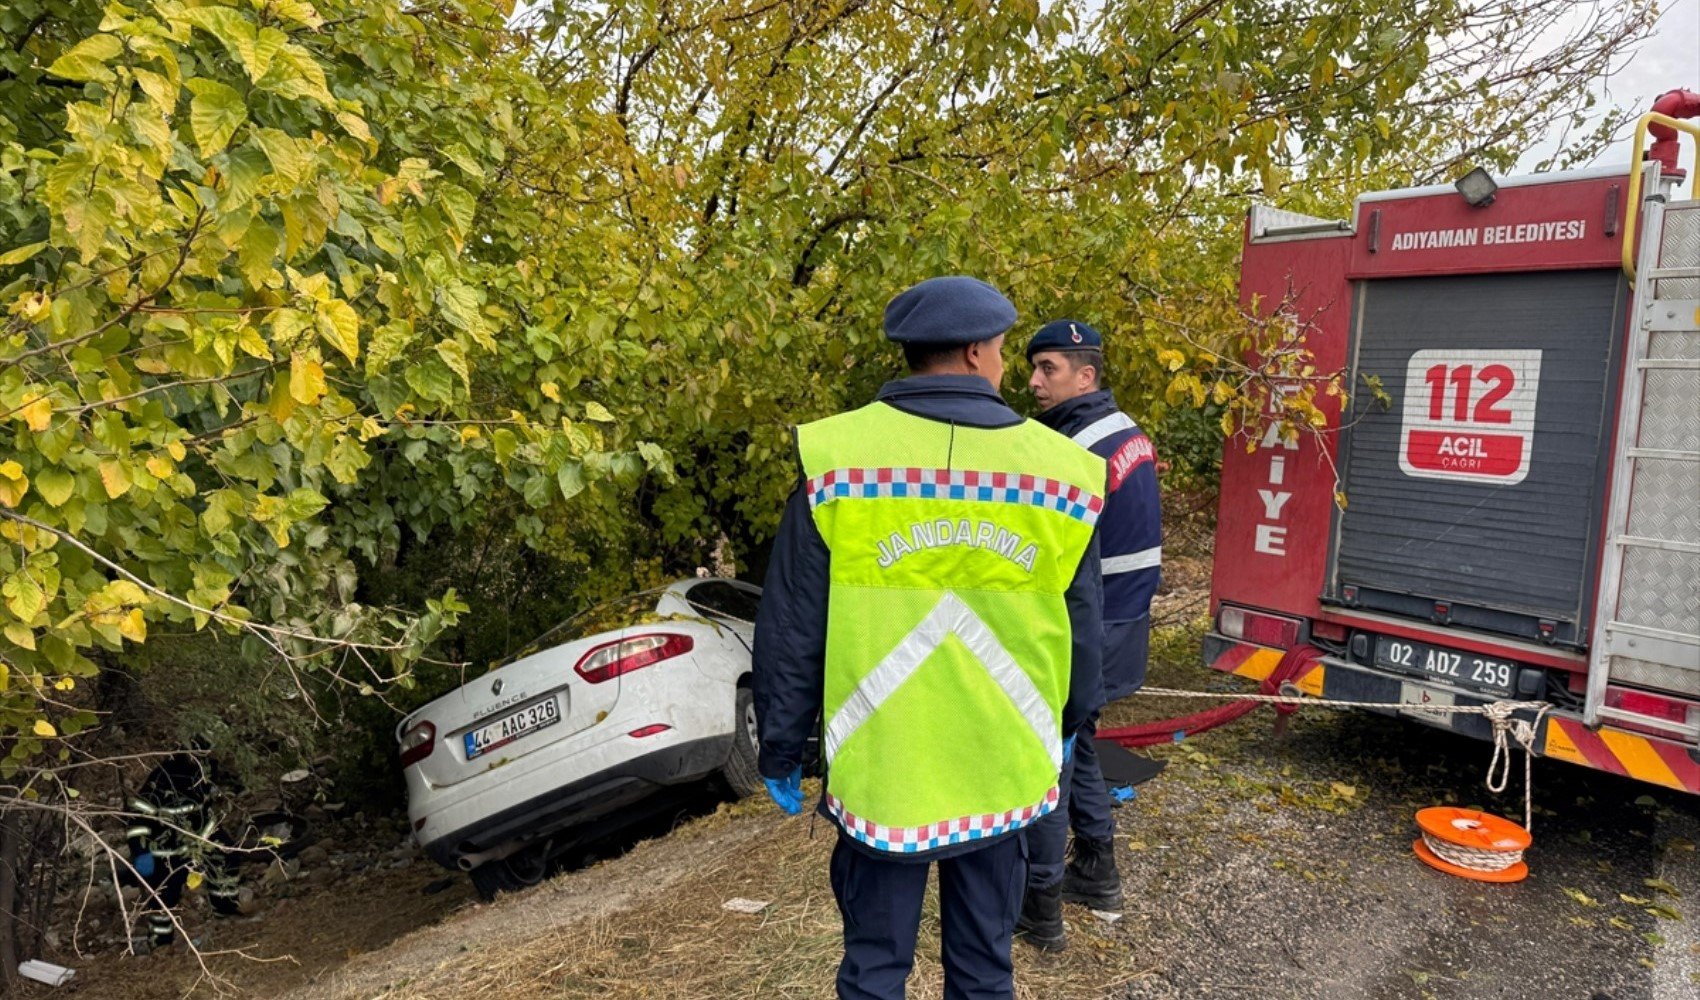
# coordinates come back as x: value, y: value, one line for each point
x: 467, y: 862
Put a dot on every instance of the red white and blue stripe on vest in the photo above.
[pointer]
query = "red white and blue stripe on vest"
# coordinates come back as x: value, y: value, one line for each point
x: 931, y: 836
x: 956, y: 484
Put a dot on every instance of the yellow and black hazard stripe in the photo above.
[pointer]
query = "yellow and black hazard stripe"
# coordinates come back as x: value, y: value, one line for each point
x: 1646, y: 758
x: 1257, y: 663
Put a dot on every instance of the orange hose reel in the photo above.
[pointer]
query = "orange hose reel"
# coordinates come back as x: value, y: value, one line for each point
x: 1472, y: 844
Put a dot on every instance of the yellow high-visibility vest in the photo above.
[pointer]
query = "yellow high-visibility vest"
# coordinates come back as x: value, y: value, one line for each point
x: 948, y: 646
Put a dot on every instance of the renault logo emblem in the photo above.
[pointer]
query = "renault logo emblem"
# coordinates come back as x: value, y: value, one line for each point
x: 496, y: 686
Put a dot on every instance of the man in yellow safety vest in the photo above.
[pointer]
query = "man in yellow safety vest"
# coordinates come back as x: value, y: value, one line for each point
x: 934, y: 600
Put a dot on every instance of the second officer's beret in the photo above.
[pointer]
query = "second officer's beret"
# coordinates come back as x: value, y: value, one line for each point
x: 947, y: 311
x: 1064, y: 335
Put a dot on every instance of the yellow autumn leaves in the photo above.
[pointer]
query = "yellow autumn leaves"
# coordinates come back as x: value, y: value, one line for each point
x: 13, y: 483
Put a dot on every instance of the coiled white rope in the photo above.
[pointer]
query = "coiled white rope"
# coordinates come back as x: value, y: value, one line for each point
x: 1474, y: 858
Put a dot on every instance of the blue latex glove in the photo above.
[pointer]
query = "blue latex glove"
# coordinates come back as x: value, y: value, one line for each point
x: 787, y: 791
x: 143, y: 864
x: 1068, y: 749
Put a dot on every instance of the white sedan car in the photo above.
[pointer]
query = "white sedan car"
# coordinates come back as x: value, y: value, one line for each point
x: 628, y: 697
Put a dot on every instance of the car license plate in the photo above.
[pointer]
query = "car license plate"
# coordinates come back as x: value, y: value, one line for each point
x: 1469, y: 670
x: 511, y: 727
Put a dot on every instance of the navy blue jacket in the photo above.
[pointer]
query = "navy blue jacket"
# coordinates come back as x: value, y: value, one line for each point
x: 790, y: 641
x: 1130, y: 531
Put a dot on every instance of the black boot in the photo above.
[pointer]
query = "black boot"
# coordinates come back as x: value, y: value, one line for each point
x: 161, y: 931
x: 1041, y: 921
x: 1091, y: 878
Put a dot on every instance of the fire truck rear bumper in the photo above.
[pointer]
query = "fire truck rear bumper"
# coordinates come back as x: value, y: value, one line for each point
x: 1562, y: 736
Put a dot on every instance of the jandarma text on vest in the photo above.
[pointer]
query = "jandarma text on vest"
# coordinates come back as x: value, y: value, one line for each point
x: 944, y: 531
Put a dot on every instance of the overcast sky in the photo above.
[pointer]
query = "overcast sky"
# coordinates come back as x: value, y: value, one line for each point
x: 1668, y: 60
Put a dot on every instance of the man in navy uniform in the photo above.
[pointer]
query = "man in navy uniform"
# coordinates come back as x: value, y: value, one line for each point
x: 951, y: 330
x: 1068, y: 364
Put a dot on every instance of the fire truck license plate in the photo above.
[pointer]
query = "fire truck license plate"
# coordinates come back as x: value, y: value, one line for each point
x: 1463, y: 669
x: 512, y: 727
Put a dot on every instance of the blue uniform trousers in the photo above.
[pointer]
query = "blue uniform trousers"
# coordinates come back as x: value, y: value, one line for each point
x: 1084, y: 803
x: 880, y: 900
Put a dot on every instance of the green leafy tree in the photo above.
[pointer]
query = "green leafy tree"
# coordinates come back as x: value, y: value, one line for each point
x: 778, y: 170
x: 248, y: 339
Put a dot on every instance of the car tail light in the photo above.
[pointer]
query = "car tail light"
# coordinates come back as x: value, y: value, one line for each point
x: 623, y: 656
x: 417, y: 743
x: 1255, y: 626
x: 1678, y: 714
x: 650, y: 730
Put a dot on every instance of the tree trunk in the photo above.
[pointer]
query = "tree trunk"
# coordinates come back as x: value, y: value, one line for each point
x: 11, y: 841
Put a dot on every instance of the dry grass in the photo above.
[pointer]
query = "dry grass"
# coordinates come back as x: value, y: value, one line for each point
x: 681, y: 944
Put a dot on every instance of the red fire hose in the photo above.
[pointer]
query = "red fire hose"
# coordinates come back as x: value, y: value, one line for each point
x: 1293, y: 664
x: 1676, y: 104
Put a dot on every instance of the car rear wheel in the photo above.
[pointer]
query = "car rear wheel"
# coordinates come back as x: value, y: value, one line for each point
x: 740, y: 772
x: 520, y: 870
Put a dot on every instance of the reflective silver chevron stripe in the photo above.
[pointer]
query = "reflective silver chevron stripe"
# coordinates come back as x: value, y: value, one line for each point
x: 1015, y: 683
x: 1102, y: 428
x: 1143, y: 559
x: 884, y: 680
x: 949, y: 617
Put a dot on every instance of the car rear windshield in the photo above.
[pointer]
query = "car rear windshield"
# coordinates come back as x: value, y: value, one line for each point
x: 722, y: 600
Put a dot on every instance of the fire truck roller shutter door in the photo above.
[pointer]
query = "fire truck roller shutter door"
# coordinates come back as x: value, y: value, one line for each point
x: 1480, y: 485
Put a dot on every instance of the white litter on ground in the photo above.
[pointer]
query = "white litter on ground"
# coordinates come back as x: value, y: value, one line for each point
x: 45, y: 972
x: 1106, y: 916
x: 742, y: 905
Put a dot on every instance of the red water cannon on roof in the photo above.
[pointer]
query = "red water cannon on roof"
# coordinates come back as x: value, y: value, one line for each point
x: 1675, y: 104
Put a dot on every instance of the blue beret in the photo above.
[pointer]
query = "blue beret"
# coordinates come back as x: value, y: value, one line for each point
x: 948, y: 311
x: 1063, y: 335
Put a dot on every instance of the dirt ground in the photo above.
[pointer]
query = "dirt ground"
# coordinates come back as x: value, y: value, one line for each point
x: 289, y: 941
x: 1253, y: 866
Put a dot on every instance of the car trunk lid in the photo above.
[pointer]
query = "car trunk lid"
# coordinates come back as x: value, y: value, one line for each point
x: 512, y: 711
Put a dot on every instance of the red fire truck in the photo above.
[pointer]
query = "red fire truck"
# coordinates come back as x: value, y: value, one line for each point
x: 1522, y: 519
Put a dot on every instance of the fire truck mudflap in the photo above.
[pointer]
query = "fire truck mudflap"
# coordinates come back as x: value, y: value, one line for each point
x: 1540, y: 438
